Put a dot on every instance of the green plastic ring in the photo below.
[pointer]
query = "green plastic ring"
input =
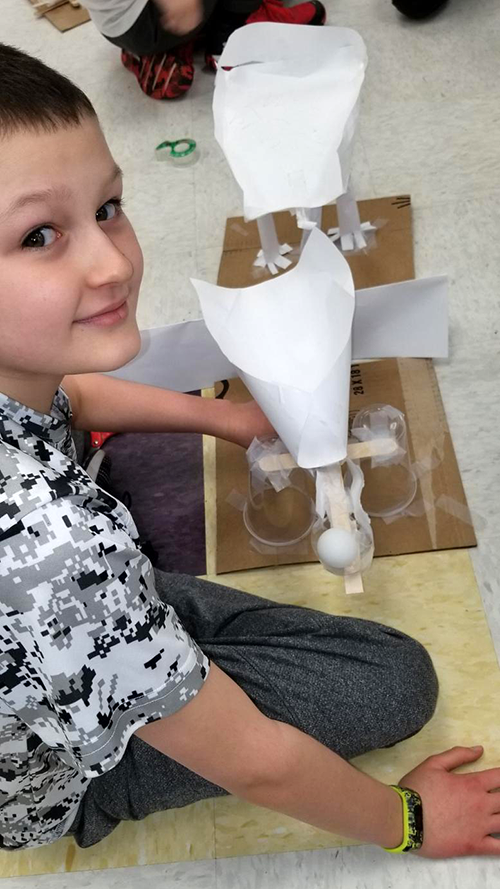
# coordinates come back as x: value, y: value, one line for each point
x: 191, y: 146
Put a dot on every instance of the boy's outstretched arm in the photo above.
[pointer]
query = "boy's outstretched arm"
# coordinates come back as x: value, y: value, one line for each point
x: 105, y: 404
x: 222, y: 736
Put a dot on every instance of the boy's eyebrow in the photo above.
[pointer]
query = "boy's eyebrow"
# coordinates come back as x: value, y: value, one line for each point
x: 63, y: 194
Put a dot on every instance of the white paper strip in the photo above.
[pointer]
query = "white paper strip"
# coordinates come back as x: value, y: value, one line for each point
x: 183, y: 357
x: 393, y: 321
x: 407, y: 320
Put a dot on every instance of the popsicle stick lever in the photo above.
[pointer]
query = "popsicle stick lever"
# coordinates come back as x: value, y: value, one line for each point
x: 377, y: 447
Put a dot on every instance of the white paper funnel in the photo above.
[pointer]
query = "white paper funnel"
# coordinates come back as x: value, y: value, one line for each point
x: 290, y: 340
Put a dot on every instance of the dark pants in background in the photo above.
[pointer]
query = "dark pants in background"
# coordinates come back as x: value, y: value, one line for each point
x: 147, y: 37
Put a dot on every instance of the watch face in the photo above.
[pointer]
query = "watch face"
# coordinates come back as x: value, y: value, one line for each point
x: 419, y: 820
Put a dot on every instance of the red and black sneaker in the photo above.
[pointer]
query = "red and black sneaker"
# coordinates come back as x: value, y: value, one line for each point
x: 311, y: 13
x: 212, y: 60
x: 164, y: 75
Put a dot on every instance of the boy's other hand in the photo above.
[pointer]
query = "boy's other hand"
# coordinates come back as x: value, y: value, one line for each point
x: 460, y: 811
x: 180, y: 16
x: 246, y: 421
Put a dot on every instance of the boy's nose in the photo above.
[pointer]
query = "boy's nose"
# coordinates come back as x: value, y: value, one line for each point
x: 106, y: 264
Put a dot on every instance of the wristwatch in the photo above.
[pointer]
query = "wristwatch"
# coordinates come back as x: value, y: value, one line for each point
x: 413, y: 824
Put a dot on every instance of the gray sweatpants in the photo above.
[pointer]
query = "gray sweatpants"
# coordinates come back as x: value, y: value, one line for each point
x: 352, y: 684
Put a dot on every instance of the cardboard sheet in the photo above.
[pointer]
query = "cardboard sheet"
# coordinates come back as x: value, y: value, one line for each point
x: 389, y: 260
x: 437, y: 519
x: 66, y: 17
x: 440, y: 518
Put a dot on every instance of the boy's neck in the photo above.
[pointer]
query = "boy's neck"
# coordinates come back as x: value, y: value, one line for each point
x: 35, y: 392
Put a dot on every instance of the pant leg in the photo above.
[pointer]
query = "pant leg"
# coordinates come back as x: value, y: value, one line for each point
x: 147, y: 37
x: 354, y: 685
x: 242, y: 8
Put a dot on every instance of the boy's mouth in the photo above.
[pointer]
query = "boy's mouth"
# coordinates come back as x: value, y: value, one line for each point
x: 114, y: 313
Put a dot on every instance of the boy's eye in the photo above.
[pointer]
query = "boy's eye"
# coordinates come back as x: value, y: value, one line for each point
x: 108, y: 210
x: 40, y: 237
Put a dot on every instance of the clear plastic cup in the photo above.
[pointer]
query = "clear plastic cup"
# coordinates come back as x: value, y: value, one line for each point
x: 280, y: 518
x: 390, y: 483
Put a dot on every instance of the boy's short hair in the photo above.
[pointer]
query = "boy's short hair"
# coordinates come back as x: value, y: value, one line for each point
x: 35, y: 97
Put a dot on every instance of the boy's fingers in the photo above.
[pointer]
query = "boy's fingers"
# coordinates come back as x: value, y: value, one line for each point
x: 490, y: 780
x: 456, y: 756
x: 490, y: 846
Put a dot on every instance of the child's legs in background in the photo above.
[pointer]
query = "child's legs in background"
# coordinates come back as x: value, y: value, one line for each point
x: 147, y: 37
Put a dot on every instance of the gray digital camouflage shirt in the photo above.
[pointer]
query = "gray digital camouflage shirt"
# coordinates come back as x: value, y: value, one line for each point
x: 88, y: 652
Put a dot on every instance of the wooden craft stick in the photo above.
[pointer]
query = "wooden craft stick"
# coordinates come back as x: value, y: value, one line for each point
x: 353, y: 584
x: 377, y: 447
x: 47, y: 6
x: 275, y: 462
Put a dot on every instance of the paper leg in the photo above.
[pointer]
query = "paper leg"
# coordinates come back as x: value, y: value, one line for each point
x: 350, y: 231
x: 272, y: 253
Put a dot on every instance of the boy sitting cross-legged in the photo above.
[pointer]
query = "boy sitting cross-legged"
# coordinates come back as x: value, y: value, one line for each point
x: 125, y: 691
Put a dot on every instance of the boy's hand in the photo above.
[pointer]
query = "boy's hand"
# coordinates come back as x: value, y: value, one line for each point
x: 460, y: 811
x: 245, y: 422
x: 180, y: 16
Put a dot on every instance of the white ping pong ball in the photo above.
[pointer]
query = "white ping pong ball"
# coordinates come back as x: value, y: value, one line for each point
x: 337, y: 548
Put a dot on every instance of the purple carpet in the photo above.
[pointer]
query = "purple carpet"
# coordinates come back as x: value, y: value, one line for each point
x: 163, y: 474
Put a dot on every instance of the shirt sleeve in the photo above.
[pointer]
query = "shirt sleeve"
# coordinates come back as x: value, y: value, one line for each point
x: 88, y: 650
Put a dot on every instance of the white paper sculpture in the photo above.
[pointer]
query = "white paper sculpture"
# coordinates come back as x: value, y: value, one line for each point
x: 285, y: 113
x: 285, y: 110
x: 290, y: 341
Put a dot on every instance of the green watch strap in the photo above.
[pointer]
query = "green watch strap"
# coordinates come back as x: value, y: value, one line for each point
x: 413, y: 825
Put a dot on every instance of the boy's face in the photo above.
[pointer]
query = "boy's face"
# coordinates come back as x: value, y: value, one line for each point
x: 67, y: 255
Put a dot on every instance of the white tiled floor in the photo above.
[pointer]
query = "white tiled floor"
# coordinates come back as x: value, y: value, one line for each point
x: 430, y: 125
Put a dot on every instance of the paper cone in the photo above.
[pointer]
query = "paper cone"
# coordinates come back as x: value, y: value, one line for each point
x: 290, y: 341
